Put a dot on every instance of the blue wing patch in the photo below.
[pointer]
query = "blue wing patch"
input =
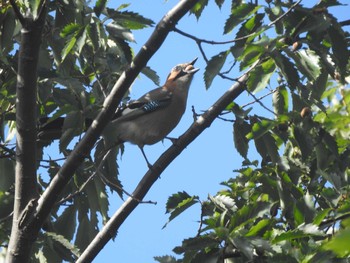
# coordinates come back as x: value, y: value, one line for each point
x: 152, y: 105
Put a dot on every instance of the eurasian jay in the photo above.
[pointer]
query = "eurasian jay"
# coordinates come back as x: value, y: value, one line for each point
x: 147, y: 120
x: 152, y: 117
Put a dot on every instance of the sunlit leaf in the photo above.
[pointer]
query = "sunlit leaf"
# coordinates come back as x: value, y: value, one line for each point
x: 260, y: 76
x: 339, y: 243
x: 178, y: 203
x: 239, y: 14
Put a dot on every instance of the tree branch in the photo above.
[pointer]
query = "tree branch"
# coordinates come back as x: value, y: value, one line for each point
x: 203, y: 122
x: 21, y: 239
x: 49, y: 197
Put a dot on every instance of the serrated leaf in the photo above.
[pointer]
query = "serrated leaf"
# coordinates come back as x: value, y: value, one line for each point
x: 72, y: 125
x: 219, y: 3
x: 178, y: 203
x: 66, y: 223
x: 129, y: 20
x: 260, y: 76
x: 198, y: 8
x: 320, y: 216
x: 240, y: 131
x: 238, y: 14
x: 120, y: 32
x: 307, y: 62
x: 70, y: 29
x: 68, y: 47
x: 260, y: 128
x: 339, y: 244
x: 224, y: 202
x: 151, y: 74
x: 166, y: 259
x: 64, y: 242
x: 213, y: 68
x: 287, y: 70
x: 99, y: 7
x: 258, y: 229
x: 339, y: 48
x: 280, y: 100
x: 308, y: 230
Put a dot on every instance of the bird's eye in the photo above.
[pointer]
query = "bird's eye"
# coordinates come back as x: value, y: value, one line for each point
x: 177, y: 68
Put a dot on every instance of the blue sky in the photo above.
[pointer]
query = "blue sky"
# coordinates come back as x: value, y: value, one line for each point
x: 199, y: 170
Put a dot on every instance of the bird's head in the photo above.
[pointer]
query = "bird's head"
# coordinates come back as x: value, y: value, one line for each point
x: 183, y: 73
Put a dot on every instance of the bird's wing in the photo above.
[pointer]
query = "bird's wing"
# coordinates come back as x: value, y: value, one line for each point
x: 150, y: 102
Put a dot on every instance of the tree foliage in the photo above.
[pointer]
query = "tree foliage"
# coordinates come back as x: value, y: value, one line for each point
x: 291, y: 203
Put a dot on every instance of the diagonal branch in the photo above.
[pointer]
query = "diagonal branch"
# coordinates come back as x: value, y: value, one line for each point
x: 203, y: 122
x: 49, y: 197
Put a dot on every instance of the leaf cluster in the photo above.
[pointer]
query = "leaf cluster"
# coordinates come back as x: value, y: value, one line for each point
x: 291, y: 204
x: 85, y: 47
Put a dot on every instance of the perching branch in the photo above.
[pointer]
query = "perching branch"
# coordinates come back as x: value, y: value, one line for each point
x: 203, y: 122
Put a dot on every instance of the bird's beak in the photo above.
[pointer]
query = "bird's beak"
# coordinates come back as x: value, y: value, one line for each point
x: 190, y: 68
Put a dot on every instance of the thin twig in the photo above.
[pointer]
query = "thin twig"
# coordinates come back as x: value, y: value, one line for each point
x: 258, y: 99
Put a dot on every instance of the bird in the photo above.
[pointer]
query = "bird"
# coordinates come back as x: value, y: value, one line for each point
x: 154, y: 115
x: 144, y: 121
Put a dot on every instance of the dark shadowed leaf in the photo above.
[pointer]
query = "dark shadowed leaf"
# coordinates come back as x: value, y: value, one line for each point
x: 240, y: 131
x: 287, y: 69
x: 280, y: 100
x: 198, y: 8
x: 99, y: 6
x: 213, y: 68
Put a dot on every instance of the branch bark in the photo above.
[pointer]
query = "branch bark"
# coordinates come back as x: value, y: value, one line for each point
x: 22, y: 237
x: 203, y: 122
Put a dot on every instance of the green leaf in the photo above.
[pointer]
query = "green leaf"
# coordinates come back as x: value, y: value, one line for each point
x: 70, y: 29
x: 238, y: 14
x: 260, y: 128
x: 287, y: 70
x: 198, y: 8
x: 129, y: 20
x: 259, y: 228
x: 224, y: 202
x: 68, y: 47
x: 320, y: 216
x: 240, y: 131
x: 119, y: 31
x: 340, y: 48
x: 308, y: 230
x: 339, y: 244
x: 260, y: 76
x: 66, y: 223
x: 250, y: 55
x: 280, y: 100
x: 64, y: 242
x: 219, y: 3
x: 213, y: 68
x: 99, y: 7
x: 307, y: 62
x: 166, y: 259
x: 178, y: 203
x: 72, y: 126
x: 151, y: 74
